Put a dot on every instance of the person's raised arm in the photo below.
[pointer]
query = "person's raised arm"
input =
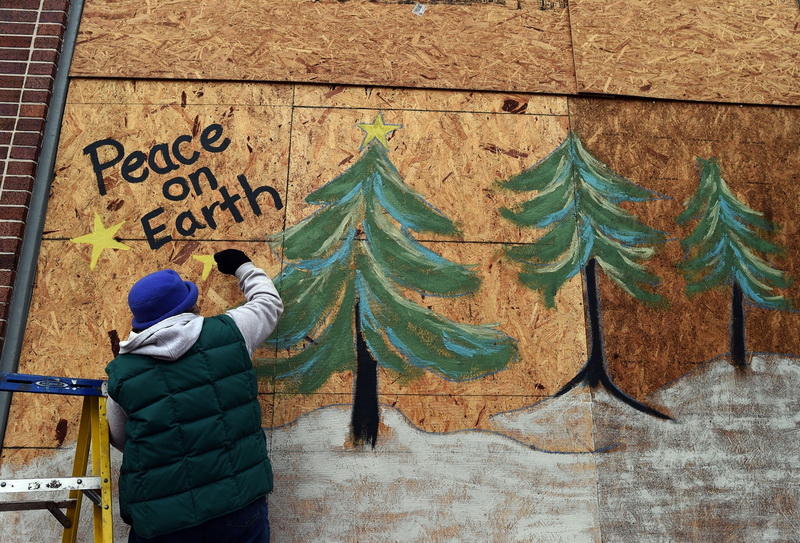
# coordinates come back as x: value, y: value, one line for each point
x: 259, y: 315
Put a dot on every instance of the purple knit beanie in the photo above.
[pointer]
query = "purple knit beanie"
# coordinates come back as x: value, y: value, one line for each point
x: 158, y: 296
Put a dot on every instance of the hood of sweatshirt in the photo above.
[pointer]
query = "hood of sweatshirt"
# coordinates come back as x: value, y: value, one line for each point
x: 167, y: 340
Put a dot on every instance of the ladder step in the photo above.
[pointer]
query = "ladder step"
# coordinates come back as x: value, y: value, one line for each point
x: 47, y: 485
x: 31, y: 505
x: 52, y: 506
x: 46, y: 384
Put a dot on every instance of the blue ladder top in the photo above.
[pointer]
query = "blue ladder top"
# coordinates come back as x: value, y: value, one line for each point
x: 46, y: 384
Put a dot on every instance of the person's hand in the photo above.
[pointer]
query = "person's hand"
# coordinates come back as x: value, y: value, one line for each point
x: 229, y: 260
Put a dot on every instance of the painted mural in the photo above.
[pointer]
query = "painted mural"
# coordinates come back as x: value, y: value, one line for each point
x: 576, y: 199
x: 509, y: 317
x: 723, y: 250
x: 556, y: 302
x: 348, y: 288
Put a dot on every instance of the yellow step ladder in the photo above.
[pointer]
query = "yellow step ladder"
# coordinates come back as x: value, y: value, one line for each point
x: 92, y: 434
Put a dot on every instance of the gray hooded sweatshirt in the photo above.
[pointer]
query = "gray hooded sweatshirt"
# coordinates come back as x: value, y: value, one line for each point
x: 172, y: 337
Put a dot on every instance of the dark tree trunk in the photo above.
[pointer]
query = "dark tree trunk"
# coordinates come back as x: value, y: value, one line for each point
x: 595, y: 371
x: 366, y: 415
x: 738, y: 337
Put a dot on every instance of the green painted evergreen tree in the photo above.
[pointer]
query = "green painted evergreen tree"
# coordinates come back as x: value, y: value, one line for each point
x: 576, y: 201
x: 723, y: 250
x: 345, y: 309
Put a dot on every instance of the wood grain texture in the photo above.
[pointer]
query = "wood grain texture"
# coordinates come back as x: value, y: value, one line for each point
x: 147, y: 118
x: 737, y: 51
x: 452, y: 158
x: 74, y: 309
x: 656, y: 145
x: 387, y: 98
x: 509, y: 46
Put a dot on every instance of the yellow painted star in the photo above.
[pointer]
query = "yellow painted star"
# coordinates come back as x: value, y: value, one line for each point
x: 101, y: 238
x: 377, y: 130
x: 208, y: 263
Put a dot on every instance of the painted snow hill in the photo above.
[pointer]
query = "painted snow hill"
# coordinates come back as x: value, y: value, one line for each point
x: 727, y: 468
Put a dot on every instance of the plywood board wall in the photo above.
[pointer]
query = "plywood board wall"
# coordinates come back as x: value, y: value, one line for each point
x: 512, y: 452
x: 497, y: 45
x: 741, y: 52
x: 733, y: 52
x: 450, y: 148
x: 657, y: 144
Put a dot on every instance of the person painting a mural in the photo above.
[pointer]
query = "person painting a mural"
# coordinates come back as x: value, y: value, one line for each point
x: 183, y: 407
x: 539, y: 262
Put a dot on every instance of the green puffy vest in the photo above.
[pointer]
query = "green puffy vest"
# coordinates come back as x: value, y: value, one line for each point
x: 195, y: 449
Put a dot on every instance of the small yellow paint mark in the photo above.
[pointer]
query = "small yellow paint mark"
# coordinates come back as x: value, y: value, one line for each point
x: 208, y: 263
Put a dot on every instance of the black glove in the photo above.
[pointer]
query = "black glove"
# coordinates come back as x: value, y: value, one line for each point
x: 229, y: 260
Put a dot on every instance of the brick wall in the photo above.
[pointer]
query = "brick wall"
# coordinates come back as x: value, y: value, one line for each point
x: 31, y: 32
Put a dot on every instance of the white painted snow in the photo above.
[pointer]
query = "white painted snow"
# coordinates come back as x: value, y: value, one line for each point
x: 415, y: 486
x: 726, y: 470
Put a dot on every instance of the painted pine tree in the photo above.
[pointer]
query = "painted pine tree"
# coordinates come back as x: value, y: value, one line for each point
x: 723, y: 250
x: 345, y: 310
x: 576, y: 201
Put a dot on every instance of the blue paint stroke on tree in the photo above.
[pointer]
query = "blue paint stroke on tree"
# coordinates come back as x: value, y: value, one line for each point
x: 723, y: 250
x: 576, y: 201
x: 344, y: 307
